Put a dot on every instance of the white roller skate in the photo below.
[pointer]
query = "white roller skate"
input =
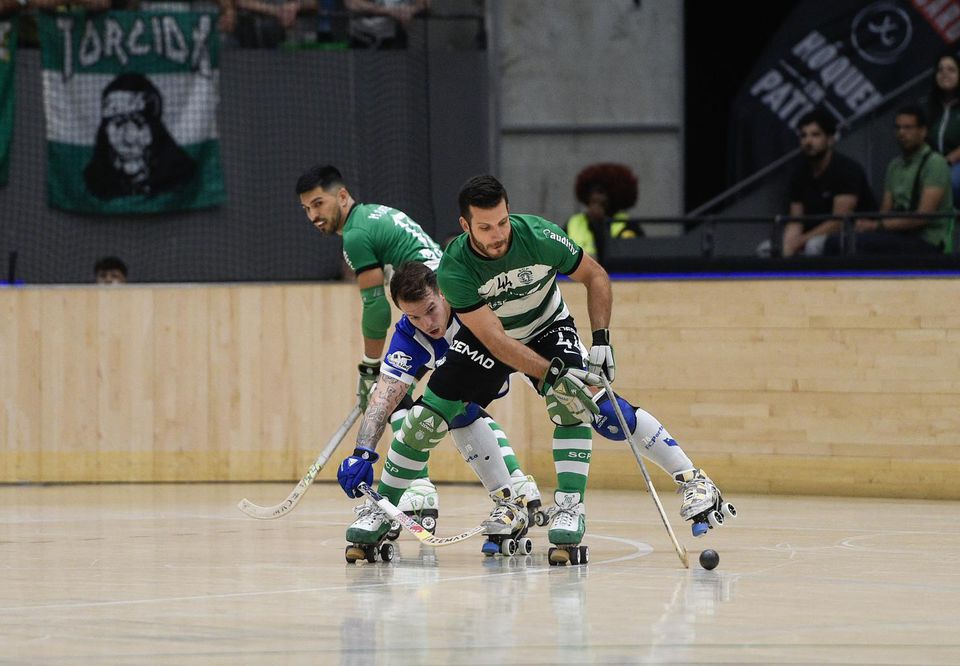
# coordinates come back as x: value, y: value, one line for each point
x: 702, y: 504
x: 567, y: 526
x: 422, y: 503
x: 524, y: 485
x: 367, y: 535
x: 506, y: 528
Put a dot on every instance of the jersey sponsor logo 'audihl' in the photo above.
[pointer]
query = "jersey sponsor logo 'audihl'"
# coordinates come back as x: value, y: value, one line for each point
x: 566, y: 242
x: 477, y: 357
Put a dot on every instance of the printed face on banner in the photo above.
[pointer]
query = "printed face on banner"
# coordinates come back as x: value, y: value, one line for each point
x: 134, y: 153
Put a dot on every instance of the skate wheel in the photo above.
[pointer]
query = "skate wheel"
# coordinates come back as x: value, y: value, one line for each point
x: 371, y: 554
x: 524, y: 546
x: 729, y: 510
x: 558, y: 556
x: 394, y: 532
x: 429, y: 523
x: 387, y: 552
x: 699, y: 529
x: 715, y: 518
x: 540, y: 518
x: 584, y: 554
x: 353, y: 553
x: 574, y: 555
x: 490, y: 548
x: 508, y: 547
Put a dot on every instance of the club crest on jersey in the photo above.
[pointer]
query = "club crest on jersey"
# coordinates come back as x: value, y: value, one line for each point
x: 525, y: 275
x: 400, y: 360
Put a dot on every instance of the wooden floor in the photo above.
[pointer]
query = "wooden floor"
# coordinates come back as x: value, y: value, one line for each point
x: 175, y: 574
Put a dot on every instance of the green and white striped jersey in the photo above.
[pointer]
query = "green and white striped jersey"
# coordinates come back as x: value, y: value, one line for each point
x: 378, y: 236
x: 520, y: 287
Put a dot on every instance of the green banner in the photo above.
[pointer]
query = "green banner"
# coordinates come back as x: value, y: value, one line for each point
x: 8, y: 51
x: 131, y: 100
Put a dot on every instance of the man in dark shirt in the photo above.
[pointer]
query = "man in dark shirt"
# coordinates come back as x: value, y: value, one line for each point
x: 826, y: 183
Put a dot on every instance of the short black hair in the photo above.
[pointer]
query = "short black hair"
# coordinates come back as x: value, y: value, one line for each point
x: 412, y: 282
x: 110, y: 264
x: 821, y: 118
x: 913, y: 110
x: 325, y: 176
x: 482, y: 192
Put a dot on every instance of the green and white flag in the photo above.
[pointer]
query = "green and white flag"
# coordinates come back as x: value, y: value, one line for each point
x: 131, y: 104
x: 8, y: 49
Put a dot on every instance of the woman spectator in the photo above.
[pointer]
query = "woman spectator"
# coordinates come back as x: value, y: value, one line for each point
x: 943, y: 111
x: 606, y: 190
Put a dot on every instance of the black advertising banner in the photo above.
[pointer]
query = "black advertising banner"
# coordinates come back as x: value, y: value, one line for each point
x: 844, y: 56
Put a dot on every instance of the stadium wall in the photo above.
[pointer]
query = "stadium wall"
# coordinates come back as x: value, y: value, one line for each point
x: 837, y: 387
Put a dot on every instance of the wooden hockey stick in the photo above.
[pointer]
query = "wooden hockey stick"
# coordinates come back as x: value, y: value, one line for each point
x: 681, y: 551
x: 287, y: 505
x: 413, y: 526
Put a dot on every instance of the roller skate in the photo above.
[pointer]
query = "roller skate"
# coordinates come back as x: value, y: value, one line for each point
x: 702, y: 503
x: 524, y: 485
x: 567, y: 525
x: 367, y: 535
x: 507, y: 526
x: 422, y: 503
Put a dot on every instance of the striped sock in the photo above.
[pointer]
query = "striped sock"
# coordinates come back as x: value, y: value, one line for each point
x: 572, y: 448
x: 402, y: 464
x: 509, y: 457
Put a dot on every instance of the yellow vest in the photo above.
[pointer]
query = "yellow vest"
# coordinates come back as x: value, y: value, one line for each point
x: 578, y: 229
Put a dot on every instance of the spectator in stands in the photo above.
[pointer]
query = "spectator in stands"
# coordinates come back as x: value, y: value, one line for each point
x: 382, y: 24
x: 917, y: 181
x: 824, y: 183
x: 263, y: 24
x: 226, y: 22
x: 606, y: 190
x: 110, y: 270
x: 942, y: 107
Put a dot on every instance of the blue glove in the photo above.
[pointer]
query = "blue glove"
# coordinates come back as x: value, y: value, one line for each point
x: 357, y: 469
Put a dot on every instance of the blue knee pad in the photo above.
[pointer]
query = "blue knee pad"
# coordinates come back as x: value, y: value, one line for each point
x: 606, y: 422
x: 472, y: 414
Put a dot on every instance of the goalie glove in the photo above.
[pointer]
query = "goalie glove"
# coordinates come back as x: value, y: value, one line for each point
x: 601, y: 355
x: 568, y: 400
x: 357, y: 469
x: 369, y: 373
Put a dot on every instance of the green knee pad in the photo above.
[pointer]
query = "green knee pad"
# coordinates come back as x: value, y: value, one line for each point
x: 559, y: 413
x: 423, y: 428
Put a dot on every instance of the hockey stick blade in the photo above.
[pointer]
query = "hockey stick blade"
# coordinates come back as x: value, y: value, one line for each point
x: 287, y: 505
x: 413, y: 526
x: 681, y: 550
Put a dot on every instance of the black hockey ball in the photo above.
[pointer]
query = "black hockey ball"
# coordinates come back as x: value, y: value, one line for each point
x: 709, y: 559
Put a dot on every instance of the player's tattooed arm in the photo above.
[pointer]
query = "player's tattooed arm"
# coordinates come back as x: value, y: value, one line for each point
x: 385, y: 398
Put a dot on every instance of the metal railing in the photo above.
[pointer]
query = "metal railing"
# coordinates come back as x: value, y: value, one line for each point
x: 710, y: 227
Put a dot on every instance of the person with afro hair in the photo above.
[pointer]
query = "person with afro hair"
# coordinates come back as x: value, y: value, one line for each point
x: 606, y: 190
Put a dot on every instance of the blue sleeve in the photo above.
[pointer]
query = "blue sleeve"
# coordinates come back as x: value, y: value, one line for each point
x: 405, y: 356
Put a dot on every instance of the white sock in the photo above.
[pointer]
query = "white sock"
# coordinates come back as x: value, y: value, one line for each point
x: 658, y: 446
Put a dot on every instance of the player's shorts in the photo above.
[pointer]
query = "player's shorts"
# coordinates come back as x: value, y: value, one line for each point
x: 470, y: 373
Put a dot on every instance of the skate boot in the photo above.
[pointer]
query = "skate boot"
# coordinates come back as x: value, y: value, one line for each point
x: 702, y: 503
x: 567, y: 526
x: 525, y: 485
x: 422, y: 503
x: 506, y: 528
x: 367, y: 535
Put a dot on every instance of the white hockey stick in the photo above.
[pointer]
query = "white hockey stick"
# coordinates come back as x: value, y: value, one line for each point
x: 282, y: 509
x: 413, y: 526
x: 681, y: 551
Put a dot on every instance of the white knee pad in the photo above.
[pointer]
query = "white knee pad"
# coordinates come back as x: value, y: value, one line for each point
x: 479, y: 447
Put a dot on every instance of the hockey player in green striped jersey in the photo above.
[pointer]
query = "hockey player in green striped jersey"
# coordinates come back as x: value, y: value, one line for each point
x: 500, y: 279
